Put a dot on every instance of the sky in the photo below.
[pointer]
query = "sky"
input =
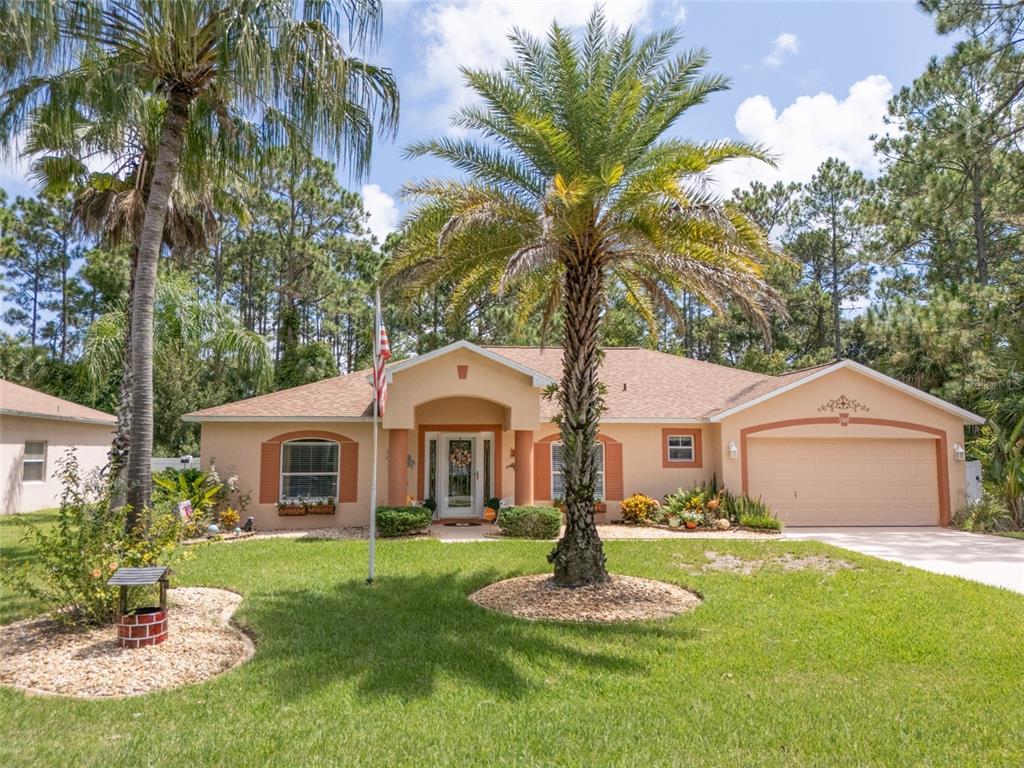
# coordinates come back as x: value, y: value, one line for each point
x: 809, y: 79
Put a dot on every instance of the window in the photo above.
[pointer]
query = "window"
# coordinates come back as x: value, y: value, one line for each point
x: 33, y: 462
x: 487, y: 469
x: 680, y: 447
x: 309, y: 468
x: 558, y: 482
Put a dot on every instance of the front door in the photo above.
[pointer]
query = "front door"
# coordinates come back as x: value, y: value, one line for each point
x: 459, y: 477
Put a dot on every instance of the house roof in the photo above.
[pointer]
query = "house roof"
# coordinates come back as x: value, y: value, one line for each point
x: 16, y: 400
x: 642, y: 385
x: 539, y: 379
x: 799, y: 378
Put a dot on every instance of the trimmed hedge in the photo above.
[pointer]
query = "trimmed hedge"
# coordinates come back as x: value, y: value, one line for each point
x: 400, y: 521
x: 530, y: 522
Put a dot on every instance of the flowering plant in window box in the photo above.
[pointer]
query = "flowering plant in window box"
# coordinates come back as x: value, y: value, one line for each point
x: 306, y: 505
x: 599, y: 506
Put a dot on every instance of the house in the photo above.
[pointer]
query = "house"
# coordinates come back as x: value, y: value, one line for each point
x: 36, y: 429
x: 839, y: 444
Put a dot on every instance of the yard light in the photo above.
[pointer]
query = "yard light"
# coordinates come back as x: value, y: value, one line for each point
x: 733, y: 450
x: 958, y: 452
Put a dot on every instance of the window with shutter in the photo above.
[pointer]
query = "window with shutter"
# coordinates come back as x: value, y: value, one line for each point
x: 558, y: 481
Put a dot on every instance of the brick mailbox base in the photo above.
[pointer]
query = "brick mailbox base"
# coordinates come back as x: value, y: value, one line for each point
x: 142, y: 627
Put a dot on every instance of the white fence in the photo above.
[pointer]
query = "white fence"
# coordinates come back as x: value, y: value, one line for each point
x: 973, y: 470
x: 173, y: 462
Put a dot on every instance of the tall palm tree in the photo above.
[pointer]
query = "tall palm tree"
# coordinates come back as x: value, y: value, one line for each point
x: 215, y: 57
x: 574, y: 184
x: 74, y: 126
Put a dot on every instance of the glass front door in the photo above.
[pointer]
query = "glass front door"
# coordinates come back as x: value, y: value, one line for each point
x: 460, y: 474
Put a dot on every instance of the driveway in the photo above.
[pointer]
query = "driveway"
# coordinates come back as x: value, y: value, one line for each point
x: 991, y: 560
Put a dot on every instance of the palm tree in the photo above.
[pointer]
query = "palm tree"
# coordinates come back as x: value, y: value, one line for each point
x: 71, y: 128
x: 575, y: 185
x: 211, y: 58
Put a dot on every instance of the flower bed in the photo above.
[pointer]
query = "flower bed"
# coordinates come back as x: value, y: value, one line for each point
x: 703, y: 507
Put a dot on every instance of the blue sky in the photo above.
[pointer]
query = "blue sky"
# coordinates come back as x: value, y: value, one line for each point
x: 810, y: 79
x: 792, y: 67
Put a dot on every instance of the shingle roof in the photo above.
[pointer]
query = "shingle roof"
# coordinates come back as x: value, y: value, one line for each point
x: 16, y: 400
x: 641, y: 384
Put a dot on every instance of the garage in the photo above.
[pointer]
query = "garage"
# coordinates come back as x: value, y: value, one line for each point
x: 851, y: 481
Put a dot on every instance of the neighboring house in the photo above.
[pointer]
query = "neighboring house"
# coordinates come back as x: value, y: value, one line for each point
x: 35, y: 431
x: 839, y: 444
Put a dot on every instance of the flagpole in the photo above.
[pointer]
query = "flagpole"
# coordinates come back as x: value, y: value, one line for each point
x: 373, y: 476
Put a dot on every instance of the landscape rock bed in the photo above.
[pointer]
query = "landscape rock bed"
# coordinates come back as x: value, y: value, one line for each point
x: 42, y: 655
x: 620, y: 598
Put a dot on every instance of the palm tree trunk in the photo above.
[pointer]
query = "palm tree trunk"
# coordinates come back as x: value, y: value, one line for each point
x: 123, y: 435
x: 579, y: 555
x: 140, y: 478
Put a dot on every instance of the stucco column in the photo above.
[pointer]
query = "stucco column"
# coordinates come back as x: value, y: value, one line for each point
x: 524, y: 467
x: 398, y: 467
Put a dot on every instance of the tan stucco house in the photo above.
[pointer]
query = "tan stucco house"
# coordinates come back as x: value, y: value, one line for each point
x: 36, y: 429
x: 839, y: 444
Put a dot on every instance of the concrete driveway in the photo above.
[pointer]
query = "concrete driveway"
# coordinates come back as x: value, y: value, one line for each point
x: 991, y: 560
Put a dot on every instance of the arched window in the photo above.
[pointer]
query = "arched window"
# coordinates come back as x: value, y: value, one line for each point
x: 309, y: 468
x: 558, y: 481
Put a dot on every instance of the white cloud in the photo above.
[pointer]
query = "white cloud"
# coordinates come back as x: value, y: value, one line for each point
x: 383, y: 212
x: 475, y: 35
x: 808, y: 131
x: 785, y: 44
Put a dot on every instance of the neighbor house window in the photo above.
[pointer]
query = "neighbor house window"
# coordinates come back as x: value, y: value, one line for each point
x: 680, y: 447
x: 309, y: 468
x: 33, y: 462
x: 558, y: 480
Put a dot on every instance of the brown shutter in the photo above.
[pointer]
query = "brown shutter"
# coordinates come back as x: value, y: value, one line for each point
x: 270, y: 472
x: 613, y: 471
x: 348, y: 483
x: 542, y: 471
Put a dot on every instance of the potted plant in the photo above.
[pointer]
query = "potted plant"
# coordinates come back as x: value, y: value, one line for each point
x: 673, y: 519
x: 600, y: 507
x: 692, y: 518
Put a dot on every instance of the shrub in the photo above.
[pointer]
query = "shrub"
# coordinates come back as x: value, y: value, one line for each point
x: 530, y: 522
x: 229, y: 519
x: 639, y: 509
x: 754, y: 513
x: 989, y: 513
x: 762, y: 522
x: 203, y: 489
x: 401, y: 521
x: 76, y: 557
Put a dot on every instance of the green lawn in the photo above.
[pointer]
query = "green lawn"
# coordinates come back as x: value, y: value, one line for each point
x: 879, y: 666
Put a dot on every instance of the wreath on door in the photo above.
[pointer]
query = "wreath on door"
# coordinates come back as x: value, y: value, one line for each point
x: 460, y: 458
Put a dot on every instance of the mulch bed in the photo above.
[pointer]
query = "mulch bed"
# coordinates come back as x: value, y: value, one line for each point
x: 620, y: 598
x: 42, y: 655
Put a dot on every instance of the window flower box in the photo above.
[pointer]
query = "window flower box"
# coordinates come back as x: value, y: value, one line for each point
x: 297, y: 505
x: 320, y: 509
x: 599, y: 507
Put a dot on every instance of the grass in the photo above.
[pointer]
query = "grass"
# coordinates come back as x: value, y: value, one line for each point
x: 16, y: 553
x: 1011, y: 534
x: 883, y: 665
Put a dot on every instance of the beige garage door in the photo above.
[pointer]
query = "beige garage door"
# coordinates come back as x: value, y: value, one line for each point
x: 845, y: 482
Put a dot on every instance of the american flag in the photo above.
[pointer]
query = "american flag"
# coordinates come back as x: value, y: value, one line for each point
x: 382, y: 354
